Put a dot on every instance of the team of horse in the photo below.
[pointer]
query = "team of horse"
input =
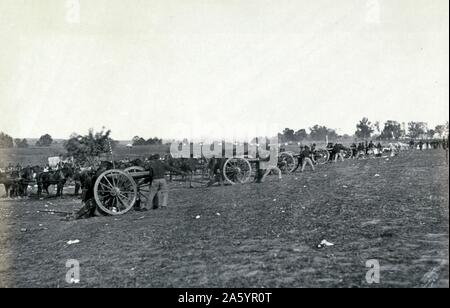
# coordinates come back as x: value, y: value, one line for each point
x: 17, y: 182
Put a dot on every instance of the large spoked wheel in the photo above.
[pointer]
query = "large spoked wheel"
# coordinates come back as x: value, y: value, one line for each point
x: 237, y: 170
x: 348, y: 153
x: 115, y: 192
x: 321, y: 156
x: 286, y: 162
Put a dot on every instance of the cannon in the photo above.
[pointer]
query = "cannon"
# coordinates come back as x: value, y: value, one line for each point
x: 287, y: 162
x: 237, y: 170
x: 241, y: 170
x: 117, y: 191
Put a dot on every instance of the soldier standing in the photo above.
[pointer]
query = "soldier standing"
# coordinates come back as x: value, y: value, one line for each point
x: 159, y: 184
x: 306, y: 159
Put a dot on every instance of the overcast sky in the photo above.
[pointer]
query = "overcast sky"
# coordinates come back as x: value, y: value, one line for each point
x: 219, y: 68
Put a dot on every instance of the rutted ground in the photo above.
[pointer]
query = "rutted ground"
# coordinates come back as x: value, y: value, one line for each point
x: 256, y: 235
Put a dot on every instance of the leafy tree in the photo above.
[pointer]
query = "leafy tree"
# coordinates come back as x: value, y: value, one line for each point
x: 154, y: 141
x: 280, y: 138
x: 301, y: 135
x: 141, y: 141
x: 318, y: 132
x: 377, y: 126
x: 431, y: 133
x: 6, y: 141
x: 364, y: 129
x: 417, y: 129
x: 391, y: 130
x: 88, y: 147
x: 21, y: 143
x: 288, y: 134
x: 44, y: 141
x: 440, y: 130
x: 138, y: 141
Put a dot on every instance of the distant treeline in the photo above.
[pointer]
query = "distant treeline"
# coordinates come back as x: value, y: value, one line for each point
x: 365, y: 129
x: 141, y: 141
x: 94, y: 143
x: 7, y: 141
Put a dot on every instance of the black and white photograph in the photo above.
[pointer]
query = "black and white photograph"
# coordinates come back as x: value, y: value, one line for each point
x: 246, y: 146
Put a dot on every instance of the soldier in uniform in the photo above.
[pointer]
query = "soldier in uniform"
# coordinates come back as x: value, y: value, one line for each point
x: 87, y: 179
x: 77, y: 180
x: 338, y: 152
x: 371, y: 145
x: 421, y: 145
x: 10, y: 168
x: 159, y: 184
x: 354, y: 149
x: 306, y: 159
x: 18, y: 167
x: 265, y: 166
x: 379, y: 149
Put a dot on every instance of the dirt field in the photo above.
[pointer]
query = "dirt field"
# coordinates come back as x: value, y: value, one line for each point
x: 256, y: 235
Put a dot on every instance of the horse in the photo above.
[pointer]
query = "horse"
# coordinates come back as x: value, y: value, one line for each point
x: 26, y: 176
x: 188, y: 166
x: 6, y: 178
x: 16, y: 181
x: 58, y: 177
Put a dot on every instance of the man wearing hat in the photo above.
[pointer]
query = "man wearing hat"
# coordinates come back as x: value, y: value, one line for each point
x: 157, y: 170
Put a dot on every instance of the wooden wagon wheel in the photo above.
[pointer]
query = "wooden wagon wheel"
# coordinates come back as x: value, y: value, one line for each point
x: 287, y: 162
x: 321, y: 156
x: 115, y: 192
x: 348, y: 153
x: 237, y: 170
x: 143, y: 184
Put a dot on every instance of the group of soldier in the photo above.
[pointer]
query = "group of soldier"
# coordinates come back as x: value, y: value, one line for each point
x: 429, y: 144
x: 157, y: 196
x: 338, y: 151
x: 11, y: 168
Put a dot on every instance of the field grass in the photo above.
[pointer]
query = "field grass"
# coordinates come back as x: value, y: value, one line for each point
x: 253, y: 235
x: 29, y: 156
